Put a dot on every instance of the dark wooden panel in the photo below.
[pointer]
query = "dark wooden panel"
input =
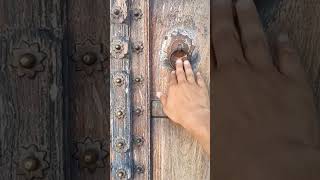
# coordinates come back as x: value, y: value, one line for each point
x: 88, y: 80
x: 31, y: 107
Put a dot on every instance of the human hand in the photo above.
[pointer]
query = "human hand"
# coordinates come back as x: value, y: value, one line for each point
x: 264, y: 114
x: 187, y: 102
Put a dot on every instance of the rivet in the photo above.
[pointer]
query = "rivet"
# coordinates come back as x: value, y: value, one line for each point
x: 138, y: 111
x: 139, y: 169
x: 119, y: 114
x: 121, y: 173
x: 118, y: 81
x: 118, y: 47
x: 137, y: 13
x: 137, y: 47
x: 89, y: 58
x: 137, y: 79
x: 27, y: 61
x: 120, y: 145
x: 138, y: 141
x: 116, y: 12
x: 31, y: 164
x: 90, y: 157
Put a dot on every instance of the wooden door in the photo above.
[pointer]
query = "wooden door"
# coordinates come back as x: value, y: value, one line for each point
x: 176, y: 155
x: 65, y: 102
x: 54, y: 90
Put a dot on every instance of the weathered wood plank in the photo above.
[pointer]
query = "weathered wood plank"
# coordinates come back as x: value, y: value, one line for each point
x: 176, y: 155
x: 31, y: 108
x: 88, y: 87
x: 139, y: 37
x: 120, y: 91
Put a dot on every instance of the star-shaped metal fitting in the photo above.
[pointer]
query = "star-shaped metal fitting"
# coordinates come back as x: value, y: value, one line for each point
x: 28, y: 59
x: 119, y: 48
x: 89, y: 57
x: 91, y: 154
x: 32, y: 163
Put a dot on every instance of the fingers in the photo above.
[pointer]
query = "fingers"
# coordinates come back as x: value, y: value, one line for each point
x: 189, y: 72
x: 288, y: 59
x: 253, y: 38
x: 163, y: 98
x: 181, y: 76
x: 225, y: 37
x: 200, y: 80
x: 172, y: 78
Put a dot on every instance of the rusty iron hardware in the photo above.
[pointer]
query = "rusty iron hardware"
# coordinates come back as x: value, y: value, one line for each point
x: 178, y: 45
x: 137, y: 14
x: 121, y: 146
x: 89, y: 57
x: 138, y: 111
x: 118, y: 15
x: 139, y: 169
x: 32, y: 163
x: 138, y: 140
x: 138, y: 47
x: 119, y: 48
x: 28, y: 59
x: 121, y: 174
x: 91, y: 154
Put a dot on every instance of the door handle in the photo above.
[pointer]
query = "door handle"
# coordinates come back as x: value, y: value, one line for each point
x: 178, y: 46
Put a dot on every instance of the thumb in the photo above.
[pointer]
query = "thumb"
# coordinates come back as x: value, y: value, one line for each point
x: 163, y: 98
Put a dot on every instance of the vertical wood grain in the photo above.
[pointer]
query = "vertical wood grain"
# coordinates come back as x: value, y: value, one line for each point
x: 139, y: 33
x: 88, y: 85
x: 176, y: 155
x: 31, y: 110
x: 120, y: 96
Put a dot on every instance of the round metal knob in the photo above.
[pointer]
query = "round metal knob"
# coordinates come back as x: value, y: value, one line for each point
x: 119, y: 114
x: 89, y: 58
x: 139, y: 169
x: 118, y: 47
x: 138, y: 111
x: 31, y: 164
x: 90, y: 157
x: 116, y: 12
x: 137, y: 79
x: 120, y: 145
x: 118, y: 81
x: 121, y: 174
x: 27, y: 61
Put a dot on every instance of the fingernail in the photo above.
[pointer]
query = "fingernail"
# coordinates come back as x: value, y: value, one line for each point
x: 283, y: 37
x: 179, y: 61
x: 186, y: 62
x: 158, y: 94
x: 173, y: 72
x: 198, y: 73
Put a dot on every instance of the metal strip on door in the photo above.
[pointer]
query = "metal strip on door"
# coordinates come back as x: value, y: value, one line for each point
x: 129, y: 90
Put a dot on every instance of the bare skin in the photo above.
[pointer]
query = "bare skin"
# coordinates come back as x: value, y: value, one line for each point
x: 265, y: 120
x: 190, y: 93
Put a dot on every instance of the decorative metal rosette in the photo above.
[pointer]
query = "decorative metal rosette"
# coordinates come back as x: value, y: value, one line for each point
x: 28, y: 59
x: 91, y: 154
x: 89, y: 57
x: 32, y: 163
